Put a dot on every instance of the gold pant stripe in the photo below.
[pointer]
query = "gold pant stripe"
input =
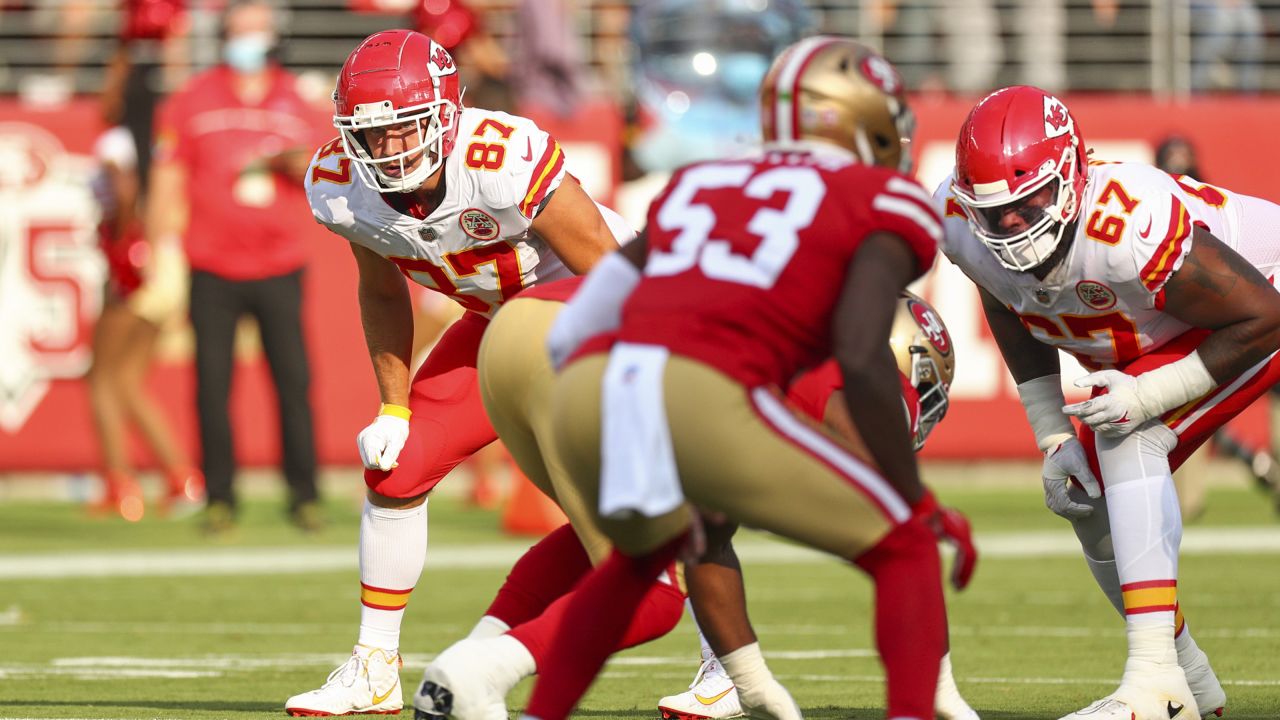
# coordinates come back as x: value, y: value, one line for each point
x: 863, y: 477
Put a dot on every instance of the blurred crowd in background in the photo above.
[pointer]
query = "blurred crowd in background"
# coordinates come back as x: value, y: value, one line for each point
x: 681, y: 70
x: 682, y: 76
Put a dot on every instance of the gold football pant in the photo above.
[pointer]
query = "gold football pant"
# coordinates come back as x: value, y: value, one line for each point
x: 516, y: 382
x: 739, y: 451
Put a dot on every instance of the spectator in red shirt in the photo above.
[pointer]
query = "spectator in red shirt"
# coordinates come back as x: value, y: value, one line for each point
x: 232, y: 147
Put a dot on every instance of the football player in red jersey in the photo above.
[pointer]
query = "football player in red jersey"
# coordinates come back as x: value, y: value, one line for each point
x: 516, y: 380
x: 926, y: 363
x: 473, y: 204
x: 813, y: 243
x: 1158, y: 285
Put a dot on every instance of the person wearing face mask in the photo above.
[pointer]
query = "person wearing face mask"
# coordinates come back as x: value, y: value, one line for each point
x: 230, y: 155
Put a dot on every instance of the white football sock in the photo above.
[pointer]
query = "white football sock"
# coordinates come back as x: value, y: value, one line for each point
x: 511, y: 663
x: 487, y: 627
x: 707, y: 652
x: 1146, y: 529
x: 393, y: 548
x: 747, y: 668
x: 1188, y: 651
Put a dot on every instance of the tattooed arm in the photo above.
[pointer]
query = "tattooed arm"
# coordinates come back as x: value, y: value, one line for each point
x: 1219, y: 290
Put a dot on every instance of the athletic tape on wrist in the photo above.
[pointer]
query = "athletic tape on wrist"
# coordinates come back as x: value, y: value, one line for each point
x: 1043, y: 400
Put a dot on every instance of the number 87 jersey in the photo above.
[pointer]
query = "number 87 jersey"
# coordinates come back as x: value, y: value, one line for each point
x: 747, y: 258
x: 475, y: 246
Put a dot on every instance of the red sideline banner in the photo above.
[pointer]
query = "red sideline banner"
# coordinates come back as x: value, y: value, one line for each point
x: 51, y: 278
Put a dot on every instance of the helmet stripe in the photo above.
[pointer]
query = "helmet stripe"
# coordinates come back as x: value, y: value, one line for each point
x: 787, y: 117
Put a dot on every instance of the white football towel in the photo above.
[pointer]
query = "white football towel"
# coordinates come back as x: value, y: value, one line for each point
x: 638, y: 465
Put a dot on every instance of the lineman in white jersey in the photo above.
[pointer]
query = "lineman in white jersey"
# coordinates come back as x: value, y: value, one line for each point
x: 471, y: 203
x: 1159, y: 285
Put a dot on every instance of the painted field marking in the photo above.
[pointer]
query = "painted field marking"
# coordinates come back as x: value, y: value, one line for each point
x: 302, y: 560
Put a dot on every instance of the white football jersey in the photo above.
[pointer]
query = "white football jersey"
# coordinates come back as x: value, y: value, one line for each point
x: 475, y: 247
x: 1103, y: 304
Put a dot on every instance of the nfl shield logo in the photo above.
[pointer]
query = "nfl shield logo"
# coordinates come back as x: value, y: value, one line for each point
x: 427, y: 233
x: 1042, y: 296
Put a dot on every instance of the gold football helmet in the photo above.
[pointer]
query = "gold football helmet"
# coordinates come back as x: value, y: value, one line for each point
x: 922, y: 347
x: 838, y: 91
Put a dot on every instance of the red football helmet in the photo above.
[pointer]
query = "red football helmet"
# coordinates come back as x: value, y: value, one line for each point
x: 1021, y: 169
x: 395, y: 77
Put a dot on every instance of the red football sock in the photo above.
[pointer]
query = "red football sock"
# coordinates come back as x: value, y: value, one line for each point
x: 544, y: 573
x: 602, y: 607
x: 911, y: 619
x: 659, y: 612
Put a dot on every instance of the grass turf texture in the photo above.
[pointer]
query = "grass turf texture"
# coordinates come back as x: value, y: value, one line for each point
x: 1032, y: 638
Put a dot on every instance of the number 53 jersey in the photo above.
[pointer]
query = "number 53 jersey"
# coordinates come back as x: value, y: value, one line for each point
x: 747, y: 258
x: 476, y: 246
x: 1104, y: 303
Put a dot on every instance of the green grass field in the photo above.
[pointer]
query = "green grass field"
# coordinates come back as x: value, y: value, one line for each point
x: 100, y: 619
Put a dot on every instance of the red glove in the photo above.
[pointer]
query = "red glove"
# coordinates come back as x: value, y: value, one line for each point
x: 951, y: 527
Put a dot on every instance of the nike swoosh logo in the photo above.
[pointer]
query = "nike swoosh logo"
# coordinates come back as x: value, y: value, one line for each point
x: 528, y: 151
x: 1145, y: 233
x: 379, y: 698
x: 1174, y: 709
x: 712, y: 700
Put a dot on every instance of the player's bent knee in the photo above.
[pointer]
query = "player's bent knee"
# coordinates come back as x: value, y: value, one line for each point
x: 719, y: 548
x: 911, y: 541
x: 637, y: 536
x: 394, y: 488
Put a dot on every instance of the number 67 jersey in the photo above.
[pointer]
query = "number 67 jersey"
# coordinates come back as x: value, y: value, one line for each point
x: 1104, y: 303
x: 747, y: 258
x: 476, y: 246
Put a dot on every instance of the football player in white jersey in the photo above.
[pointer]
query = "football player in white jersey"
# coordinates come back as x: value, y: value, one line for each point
x: 1159, y: 285
x: 471, y: 203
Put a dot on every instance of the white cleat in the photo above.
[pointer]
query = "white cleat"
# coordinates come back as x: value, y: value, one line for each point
x: 1155, y: 693
x: 711, y: 696
x: 1211, y: 699
x: 464, y: 683
x: 366, y: 684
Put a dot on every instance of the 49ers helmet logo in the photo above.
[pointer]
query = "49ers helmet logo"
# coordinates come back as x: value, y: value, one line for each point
x: 1057, y: 121
x: 478, y: 224
x: 931, y: 326
x: 880, y: 73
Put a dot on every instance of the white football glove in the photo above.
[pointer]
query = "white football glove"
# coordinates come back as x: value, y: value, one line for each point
x: 382, y: 440
x: 1118, y: 412
x: 1065, y: 461
x: 1131, y: 401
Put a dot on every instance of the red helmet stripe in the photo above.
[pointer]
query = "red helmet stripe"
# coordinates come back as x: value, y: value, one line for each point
x: 786, y: 109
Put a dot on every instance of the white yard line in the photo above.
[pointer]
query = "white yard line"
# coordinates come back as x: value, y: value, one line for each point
x: 301, y: 560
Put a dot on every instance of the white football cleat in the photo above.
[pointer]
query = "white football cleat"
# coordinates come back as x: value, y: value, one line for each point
x: 711, y: 696
x: 466, y: 682
x: 1146, y: 693
x: 368, y: 683
x: 1211, y: 699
